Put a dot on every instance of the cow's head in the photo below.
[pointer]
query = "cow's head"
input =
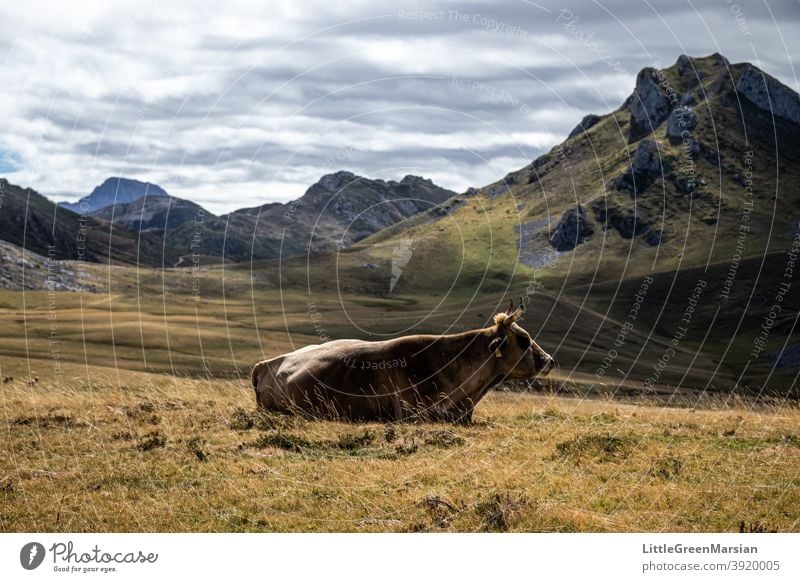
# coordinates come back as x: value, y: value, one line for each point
x: 521, y: 357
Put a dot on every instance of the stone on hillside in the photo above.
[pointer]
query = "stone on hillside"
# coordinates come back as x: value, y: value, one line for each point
x: 645, y: 168
x: 684, y: 66
x: 647, y: 158
x: 683, y: 119
x: 626, y: 221
x: 655, y: 237
x: 586, y: 123
x: 571, y: 229
x: 685, y: 184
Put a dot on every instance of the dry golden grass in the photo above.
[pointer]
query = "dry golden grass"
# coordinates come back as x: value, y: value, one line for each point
x: 132, y: 451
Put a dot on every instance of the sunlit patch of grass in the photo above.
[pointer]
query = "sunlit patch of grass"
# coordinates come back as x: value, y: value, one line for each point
x: 78, y: 459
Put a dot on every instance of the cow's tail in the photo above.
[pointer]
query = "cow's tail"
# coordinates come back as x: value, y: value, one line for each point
x: 255, y: 374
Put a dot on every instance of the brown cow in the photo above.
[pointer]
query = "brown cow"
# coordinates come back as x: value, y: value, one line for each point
x: 426, y: 377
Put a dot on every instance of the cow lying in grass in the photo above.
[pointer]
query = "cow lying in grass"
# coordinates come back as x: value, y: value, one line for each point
x: 422, y: 377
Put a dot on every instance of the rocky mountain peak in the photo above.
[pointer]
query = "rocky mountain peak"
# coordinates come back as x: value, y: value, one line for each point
x: 114, y: 190
x: 413, y: 180
x: 335, y: 181
x: 767, y: 93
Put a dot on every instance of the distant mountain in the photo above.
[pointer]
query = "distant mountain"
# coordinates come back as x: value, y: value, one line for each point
x: 114, y: 191
x: 335, y: 212
x: 338, y: 210
x: 31, y: 221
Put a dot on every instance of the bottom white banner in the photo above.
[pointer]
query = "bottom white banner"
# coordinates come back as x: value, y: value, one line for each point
x: 389, y: 557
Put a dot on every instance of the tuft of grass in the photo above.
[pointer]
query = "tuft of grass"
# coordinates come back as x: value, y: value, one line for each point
x: 666, y: 468
x: 441, y: 438
x: 280, y: 440
x: 152, y: 440
x: 601, y: 447
x: 497, y: 512
x: 441, y: 512
x: 756, y: 527
x: 354, y: 442
x: 244, y: 420
x: 603, y: 418
x: 143, y: 412
x: 241, y: 420
x: 196, y: 446
x: 6, y: 485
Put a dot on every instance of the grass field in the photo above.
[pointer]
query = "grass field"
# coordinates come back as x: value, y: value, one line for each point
x: 130, y: 451
x: 129, y: 409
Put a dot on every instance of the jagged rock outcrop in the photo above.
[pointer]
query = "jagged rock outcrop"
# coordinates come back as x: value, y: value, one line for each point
x: 769, y: 94
x: 586, y: 123
x: 647, y: 158
x: 649, y: 105
x: 684, y: 66
x: 645, y: 167
x: 626, y: 221
x: 571, y: 230
x: 682, y: 119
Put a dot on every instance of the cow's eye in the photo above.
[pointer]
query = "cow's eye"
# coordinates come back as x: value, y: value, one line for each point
x: 523, y: 342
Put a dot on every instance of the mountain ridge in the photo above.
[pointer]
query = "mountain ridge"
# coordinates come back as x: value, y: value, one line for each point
x: 334, y: 212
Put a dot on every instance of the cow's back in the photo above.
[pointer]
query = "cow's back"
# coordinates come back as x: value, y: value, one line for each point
x: 343, y: 378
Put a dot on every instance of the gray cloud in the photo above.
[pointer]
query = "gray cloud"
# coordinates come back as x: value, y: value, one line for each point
x: 251, y: 104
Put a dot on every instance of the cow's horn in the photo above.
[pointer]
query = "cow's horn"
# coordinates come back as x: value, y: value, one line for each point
x: 510, y: 309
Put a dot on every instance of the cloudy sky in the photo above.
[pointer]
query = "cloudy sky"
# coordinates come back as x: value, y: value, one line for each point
x: 235, y: 104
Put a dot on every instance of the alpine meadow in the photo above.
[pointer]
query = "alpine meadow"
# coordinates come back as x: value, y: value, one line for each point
x: 257, y: 278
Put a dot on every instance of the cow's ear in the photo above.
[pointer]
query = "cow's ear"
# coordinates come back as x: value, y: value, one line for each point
x: 495, y: 345
x: 518, y: 313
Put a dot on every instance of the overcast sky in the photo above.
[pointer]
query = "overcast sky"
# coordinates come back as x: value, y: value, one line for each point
x: 231, y: 104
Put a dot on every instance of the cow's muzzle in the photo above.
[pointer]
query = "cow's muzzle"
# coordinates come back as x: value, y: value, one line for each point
x: 549, y: 364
